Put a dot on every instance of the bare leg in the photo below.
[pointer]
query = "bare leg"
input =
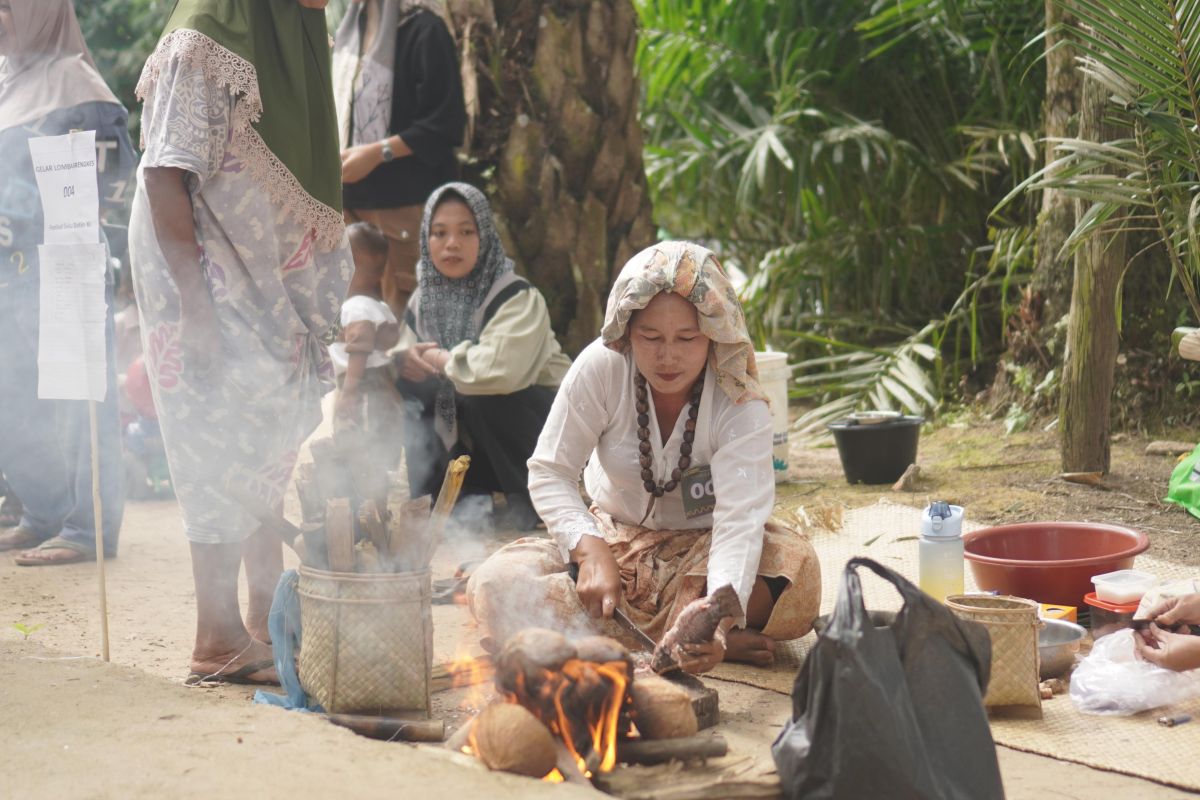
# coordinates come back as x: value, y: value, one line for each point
x: 263, y: 556
x: 222, y: 642
x: 747, y: 644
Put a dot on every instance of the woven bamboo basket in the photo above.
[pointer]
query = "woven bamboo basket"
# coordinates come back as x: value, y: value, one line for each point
x: 367, y: 641
x: 1013, y: 624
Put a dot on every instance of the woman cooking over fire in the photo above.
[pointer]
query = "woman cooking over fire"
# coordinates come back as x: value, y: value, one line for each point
x: 665, y: 416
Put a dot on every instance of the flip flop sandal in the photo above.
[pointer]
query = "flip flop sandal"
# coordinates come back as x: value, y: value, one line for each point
x: 240, y: 676
x: 19, y: 539
x: 40, y: 556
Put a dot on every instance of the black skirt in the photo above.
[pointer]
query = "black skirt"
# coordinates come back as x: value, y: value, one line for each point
x: 498, y: 431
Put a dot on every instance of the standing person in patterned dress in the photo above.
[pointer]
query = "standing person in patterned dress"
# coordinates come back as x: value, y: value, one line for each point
x: 240, y: 263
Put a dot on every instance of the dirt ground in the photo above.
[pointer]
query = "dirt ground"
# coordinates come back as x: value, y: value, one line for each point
x: 71, y: 725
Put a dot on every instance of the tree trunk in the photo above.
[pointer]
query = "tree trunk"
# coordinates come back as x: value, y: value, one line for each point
x: 1047, y: 298
x: 555, y: 139
x: 1092, y: 341
x: 1052, y: 277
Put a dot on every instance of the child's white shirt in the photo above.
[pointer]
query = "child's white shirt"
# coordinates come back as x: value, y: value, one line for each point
x: 361, y: 308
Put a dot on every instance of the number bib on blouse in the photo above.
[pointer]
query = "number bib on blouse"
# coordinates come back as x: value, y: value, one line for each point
x: 697, y: 489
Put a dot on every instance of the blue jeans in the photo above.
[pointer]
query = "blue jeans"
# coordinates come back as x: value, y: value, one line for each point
x: 45, y: 445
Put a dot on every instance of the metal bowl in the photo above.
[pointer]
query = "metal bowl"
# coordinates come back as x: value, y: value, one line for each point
x: 1058, y: 642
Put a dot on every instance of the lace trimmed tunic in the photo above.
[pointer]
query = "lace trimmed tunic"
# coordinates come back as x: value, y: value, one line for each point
x: 275, y: 292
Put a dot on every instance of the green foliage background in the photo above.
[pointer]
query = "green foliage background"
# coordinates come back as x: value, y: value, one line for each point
x: 850, y: 158
x: 847, y: 157
x: 121, y: 35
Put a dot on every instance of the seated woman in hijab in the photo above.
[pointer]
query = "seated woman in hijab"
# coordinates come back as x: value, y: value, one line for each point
x: 665, y: 417
x: 478, y: 361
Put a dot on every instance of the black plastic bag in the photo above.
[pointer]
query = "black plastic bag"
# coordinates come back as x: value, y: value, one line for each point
x: 893, y: 711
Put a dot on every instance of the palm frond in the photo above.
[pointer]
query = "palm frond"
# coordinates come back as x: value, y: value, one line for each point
x: 885, y: 379
x: 1146, y: 55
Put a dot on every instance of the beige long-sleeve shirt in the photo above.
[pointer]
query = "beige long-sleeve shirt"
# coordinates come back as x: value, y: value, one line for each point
x: 516, y: 349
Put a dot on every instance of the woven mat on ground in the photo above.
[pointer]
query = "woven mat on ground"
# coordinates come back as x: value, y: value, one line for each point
x: 887, y: 532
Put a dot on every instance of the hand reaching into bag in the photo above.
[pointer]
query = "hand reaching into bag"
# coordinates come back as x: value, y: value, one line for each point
x: 1174, y: 651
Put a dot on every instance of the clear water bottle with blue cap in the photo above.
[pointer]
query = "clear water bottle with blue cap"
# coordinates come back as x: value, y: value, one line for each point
x: 941, y: 550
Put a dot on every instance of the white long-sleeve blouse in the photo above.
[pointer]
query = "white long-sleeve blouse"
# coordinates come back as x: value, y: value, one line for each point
x: 593, y: 422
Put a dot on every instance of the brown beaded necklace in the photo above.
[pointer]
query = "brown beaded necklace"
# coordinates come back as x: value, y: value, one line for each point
x: 658, y: 489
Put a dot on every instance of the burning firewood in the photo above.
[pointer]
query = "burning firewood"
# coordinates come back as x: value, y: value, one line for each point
x: 602, y: 650
x: 696, y: 624
x: 507, y: 737
x: 583, y: 703
x: 527, y: 656
x: 661, y: 709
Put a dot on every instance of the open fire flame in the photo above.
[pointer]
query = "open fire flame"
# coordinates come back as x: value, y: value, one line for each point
x: 581, y: 704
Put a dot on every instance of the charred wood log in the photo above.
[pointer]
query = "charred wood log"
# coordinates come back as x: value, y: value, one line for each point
x: 657, y: 751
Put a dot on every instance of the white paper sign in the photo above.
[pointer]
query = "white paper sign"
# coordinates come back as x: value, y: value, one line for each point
x: 65, y: 168
x: 72, y: 262
x: 71, y: 356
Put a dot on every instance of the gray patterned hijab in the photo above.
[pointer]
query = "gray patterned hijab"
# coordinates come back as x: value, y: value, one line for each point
x: 447, y: 306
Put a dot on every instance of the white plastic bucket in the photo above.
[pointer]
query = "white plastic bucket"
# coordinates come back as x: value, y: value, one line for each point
x: 773, y: 374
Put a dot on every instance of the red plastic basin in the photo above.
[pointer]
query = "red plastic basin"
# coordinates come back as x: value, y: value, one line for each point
x: 1051, y: 562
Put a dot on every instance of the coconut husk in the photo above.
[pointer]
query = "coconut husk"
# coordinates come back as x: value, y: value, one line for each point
x: 661, y: 709
x: 505, y: 736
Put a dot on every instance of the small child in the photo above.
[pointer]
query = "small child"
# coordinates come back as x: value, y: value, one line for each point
x: 367, y: 396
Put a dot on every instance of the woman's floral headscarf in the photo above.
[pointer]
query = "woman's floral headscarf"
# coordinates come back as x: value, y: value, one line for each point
x: 693, y: 273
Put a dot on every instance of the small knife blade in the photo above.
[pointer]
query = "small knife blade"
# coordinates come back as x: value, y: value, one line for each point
x: 620, y: 616
x: 625, y: 622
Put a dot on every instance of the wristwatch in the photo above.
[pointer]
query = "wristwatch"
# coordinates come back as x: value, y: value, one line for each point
x: 386, y: 146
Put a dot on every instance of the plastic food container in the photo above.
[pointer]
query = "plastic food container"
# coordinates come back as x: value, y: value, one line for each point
x: 1109, y: 617
x: 1123, y: 586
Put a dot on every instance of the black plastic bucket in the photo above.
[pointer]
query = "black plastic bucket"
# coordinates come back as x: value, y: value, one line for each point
x: 877, y: 452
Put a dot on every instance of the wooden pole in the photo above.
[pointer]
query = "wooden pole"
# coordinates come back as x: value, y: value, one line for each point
x: 98, y: 513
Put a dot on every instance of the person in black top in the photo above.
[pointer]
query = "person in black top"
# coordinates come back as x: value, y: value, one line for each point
x: 400, y: 110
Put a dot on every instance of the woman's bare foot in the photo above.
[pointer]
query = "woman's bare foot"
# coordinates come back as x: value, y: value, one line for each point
x: 236, y: 666
x: 749, y: 647
x: 256, y: 624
